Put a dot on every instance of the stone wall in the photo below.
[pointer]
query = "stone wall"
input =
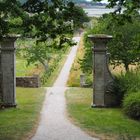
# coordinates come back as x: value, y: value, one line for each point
x: 33, y: 82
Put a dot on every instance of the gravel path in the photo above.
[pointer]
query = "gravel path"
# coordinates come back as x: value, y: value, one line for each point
x: 54, y: 124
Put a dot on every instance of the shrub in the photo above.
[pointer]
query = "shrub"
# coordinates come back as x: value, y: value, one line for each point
x: 131, y: 105
x: 125, y: 83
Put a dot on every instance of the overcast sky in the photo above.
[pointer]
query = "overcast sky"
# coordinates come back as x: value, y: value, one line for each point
x: 103, y: 1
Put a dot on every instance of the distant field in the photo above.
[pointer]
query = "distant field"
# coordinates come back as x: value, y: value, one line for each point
x: 97, y: 11
x: 23, y: 70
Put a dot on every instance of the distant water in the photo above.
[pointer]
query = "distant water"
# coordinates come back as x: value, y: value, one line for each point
x: 97, y: 11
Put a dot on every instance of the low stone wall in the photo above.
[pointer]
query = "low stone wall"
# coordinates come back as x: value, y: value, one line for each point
x: 33, y: 82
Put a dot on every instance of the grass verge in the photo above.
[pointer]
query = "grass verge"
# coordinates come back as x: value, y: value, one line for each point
x: 108, y: 123
x: 19, y: 123
x: 74, y: 77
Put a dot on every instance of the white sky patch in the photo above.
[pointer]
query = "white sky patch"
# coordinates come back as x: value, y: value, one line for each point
x: 103, y: 1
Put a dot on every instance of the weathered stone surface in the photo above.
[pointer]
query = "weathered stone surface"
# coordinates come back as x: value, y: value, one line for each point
x: 0, y: 79
x: 33, y: 82
x: 82, y: 80
x: 102, y: 76
x: 7, y: 65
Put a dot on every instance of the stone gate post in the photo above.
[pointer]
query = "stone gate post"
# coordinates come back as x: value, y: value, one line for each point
x: 101, y: 75
x: 8, y: 80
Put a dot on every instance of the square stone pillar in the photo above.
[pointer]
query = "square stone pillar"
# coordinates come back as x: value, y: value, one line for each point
x: 0, y: 79
x: 8, y: 80
x: 102, y: 77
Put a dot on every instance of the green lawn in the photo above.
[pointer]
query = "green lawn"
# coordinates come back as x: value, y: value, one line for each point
x: 99, y: 122
x: 18, y: 123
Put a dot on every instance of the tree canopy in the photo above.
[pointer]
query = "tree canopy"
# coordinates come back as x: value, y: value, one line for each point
x: 124, y: 48
x: 40, y: 19
x: 37, y: 19
x: 48, y: 21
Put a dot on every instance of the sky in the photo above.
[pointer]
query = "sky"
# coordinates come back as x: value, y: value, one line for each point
x: 103, y: 1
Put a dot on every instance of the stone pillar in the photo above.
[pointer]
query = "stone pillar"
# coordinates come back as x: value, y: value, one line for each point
x: 102, y: 77
x: 0, y: 80
x: 82, y: 80
x: 8, y: 80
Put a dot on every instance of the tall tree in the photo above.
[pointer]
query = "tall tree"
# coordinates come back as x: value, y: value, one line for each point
x: 42, y: 20
x: 125, y: 45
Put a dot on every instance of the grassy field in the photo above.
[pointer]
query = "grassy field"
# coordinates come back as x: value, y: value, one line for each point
x: 23, y: 70
x: 19, y: 123
x: 21, y: 61
x: 107, y: 124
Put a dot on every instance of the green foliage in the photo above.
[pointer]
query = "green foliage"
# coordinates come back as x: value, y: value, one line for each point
x: 44, y: 21
x: 51, y: 68
x: 48, y: 77
x: 30, y: 57
x: 125, y: 46
x: 39, y: 19
x: 87, y: 62
x: 78, y: 16
x: 8, y: 10
x: 131, y: 105
x: 125, y: 84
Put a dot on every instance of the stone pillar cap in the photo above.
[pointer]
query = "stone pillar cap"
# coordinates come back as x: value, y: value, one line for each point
x: 11, y: 37
x: 101, y: 37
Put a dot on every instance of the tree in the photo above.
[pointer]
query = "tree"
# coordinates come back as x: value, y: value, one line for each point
x: 77, y: 15
x: 8, y: 10
x: 125, y: 46
x: 86, y: 62
x: 43, y: 21
x: 39, y: 19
